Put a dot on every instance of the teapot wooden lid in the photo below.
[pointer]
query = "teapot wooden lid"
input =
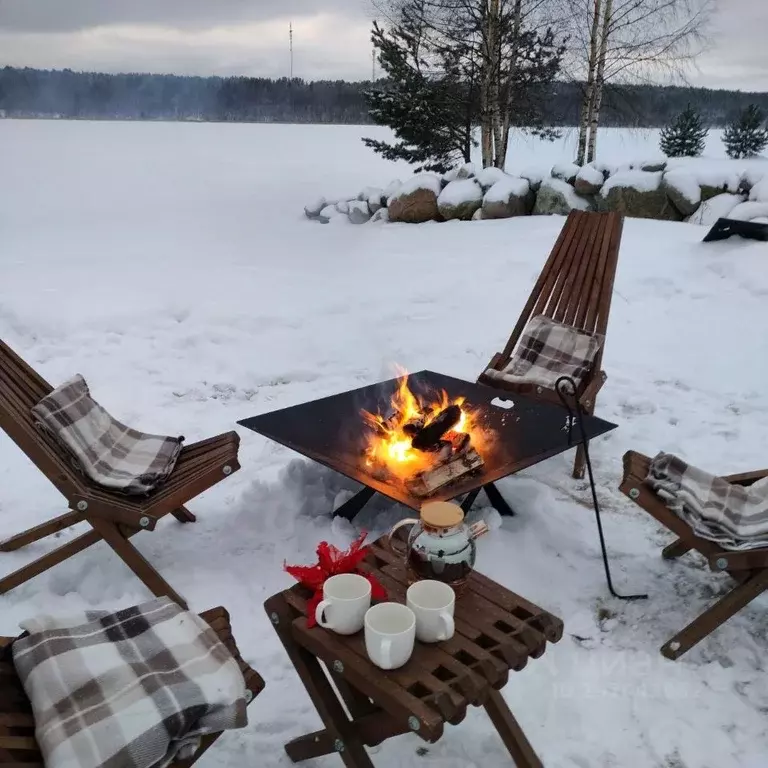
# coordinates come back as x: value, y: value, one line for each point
x: 441, y: 514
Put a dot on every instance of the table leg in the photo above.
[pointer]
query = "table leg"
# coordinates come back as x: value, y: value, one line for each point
x: 340, y: 731
x: 349, y: 509
x: 497, y: 500
x: 469, y: 500
x: 511, y: 733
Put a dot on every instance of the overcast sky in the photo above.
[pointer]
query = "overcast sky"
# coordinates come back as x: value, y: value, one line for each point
x: 250, y: 37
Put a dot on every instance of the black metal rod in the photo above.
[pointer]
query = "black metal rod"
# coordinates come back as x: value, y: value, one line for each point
x: 469, y: 500
x: 562, y: 394
x: 349, y: 509
x: 497, y: 500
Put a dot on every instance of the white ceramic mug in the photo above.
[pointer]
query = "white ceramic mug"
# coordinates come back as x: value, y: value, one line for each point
x: 390, y: 630
x: 432, y: 602
x: 346, y: 598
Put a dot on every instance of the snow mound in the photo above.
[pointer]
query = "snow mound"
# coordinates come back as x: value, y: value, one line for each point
x: 419, y: 181
x: 749, y: 211
x: 461, y: 191
x: 568, y: 192
x: 642, y: 181
x: 534, y: 174
x: 717, y: 207
x: 503, y: 189
x: 489, y: 176
x: 590, y: 175
x: 391, y: 188
x: 684, y: 183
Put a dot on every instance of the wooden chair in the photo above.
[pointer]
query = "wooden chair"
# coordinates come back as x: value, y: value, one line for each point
x: 113, y: 517
x: 748, y: 567
x: 575, y: 287
x: 18, y: 748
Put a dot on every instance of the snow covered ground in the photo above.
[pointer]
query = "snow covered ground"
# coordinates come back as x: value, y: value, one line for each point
x: 171, y: 265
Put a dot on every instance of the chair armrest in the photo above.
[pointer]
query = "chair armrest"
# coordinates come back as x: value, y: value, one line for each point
x: 589, y: 394
x: 746, y: 478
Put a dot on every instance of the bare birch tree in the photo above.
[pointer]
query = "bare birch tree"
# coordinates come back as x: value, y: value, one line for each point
x: 628, y: 41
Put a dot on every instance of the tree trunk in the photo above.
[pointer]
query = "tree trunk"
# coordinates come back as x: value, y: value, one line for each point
x: 509, y: 89
x: 492, y: 81
x: 599, y: 81
x: 588, y: 99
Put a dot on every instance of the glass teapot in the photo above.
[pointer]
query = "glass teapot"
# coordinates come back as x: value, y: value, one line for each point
x: 440, y: 544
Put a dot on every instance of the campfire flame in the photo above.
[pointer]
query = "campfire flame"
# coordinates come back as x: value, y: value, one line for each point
x: 389, y: 444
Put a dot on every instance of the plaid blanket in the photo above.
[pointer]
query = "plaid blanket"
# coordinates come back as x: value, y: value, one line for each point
x: 132, y: 689
x: 548, y: 350
x: 734, y: 516
x: 106, y: 451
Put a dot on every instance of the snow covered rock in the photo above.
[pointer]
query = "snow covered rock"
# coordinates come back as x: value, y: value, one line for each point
x: 654, y: 166
x: 638, y: 194
x: 683, y: 190
x: 359, y: 212
x: 715, y: 208
x: 460, y: 199
x: 749, y: 211
x: 467, y: 171
x: 416, y: 200
x: 534, y: 176
x: 342, y: 206
x: 374, y: 196
x: 559, y: 197
x: 566, y: 172
x: 328, y: 213
x: 312, y: 211
x: 381, y: 215
x: 759, y: 191
x: 391, y: 189
x: 489, y: 176
x: 589, y: 180
x: 478, y: 215
x: 510, y: 196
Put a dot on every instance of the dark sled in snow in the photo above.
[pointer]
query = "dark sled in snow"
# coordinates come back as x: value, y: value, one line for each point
x: 722, y: 229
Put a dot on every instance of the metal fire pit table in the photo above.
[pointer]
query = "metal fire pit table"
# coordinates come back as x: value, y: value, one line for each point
x: 332, y: 431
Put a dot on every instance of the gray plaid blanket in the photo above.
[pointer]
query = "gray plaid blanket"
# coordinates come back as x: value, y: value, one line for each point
x: 733, y: 516
x: 109, y: 453
x: 548, y: 350
x: 132, y: 689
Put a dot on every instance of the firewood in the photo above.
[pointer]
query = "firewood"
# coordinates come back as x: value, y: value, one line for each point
x: 447, y: 419
x: 412, y: 428
x: 459, y: 441
x: 427, y: 482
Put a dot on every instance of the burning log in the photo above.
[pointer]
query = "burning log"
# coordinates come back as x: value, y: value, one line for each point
x: 427, y: 482
x: 430, y: 435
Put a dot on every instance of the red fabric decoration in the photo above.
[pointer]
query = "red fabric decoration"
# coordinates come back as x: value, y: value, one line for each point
x: 330, y: 562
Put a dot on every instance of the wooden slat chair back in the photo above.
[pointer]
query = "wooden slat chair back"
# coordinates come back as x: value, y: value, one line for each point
x: 113, y: 517
x: 18, y: 747
x: 748, y: 567
x: 575, y: 287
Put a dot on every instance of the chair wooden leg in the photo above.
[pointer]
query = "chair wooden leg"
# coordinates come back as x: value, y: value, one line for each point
x: 579, y: 463
x: 716, y: 615
x: 123, y: 548
x: 511, y: 733
x: 59, y: 523
x: 675, y: 549
x: 183, y: 515
x: 48, y: 561
x: 339, y: 729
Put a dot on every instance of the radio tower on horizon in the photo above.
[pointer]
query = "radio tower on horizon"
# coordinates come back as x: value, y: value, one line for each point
x: 290, y: 44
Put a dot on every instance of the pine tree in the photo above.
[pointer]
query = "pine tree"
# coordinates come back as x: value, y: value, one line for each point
x: 685, y: 136
x: 746, y: 136
x: 424, y: 108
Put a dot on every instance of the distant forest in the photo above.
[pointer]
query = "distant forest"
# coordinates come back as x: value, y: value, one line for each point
x: 88, y: 95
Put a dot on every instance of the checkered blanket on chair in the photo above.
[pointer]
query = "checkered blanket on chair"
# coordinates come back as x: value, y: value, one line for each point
x: 734, y: 516
x: 548, y: 350
x: 132, y: 689
x: 106, y: 451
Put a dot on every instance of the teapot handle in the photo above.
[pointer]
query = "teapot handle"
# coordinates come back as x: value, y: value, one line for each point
x: 395, y: 528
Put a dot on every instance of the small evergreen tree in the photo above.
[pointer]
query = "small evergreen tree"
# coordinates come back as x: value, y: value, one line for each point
x: 746, y: 136
x: 423, y: 103
x: 685, y: 136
